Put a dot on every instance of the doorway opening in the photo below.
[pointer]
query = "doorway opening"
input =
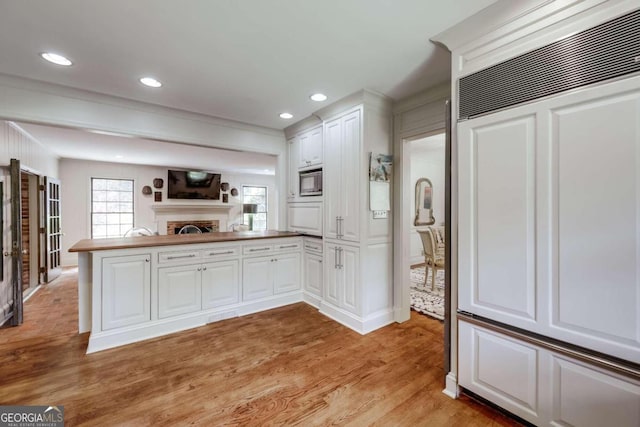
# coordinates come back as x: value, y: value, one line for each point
x: 426, y: 224
x: 31, y: 218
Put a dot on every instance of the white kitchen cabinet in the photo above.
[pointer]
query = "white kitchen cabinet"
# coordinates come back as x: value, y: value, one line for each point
x: 286, y: 273
x: 523, y: 200
x: 313, y: 274
x: 293, y: 179
x: 179, y: 290
x: 268, y: 275
x: 257, y: 278
x: 305, y: 217
x: 342, y: 277
x: 220, y: 283
x: 126, y: 290
x: 342, y: 169
x: 542, y: 386
x: 310, y: 148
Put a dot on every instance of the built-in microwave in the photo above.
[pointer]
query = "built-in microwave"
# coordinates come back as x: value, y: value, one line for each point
x: 311, y: 183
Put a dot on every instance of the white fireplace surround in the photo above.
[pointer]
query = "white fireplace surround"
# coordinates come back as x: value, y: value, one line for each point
x: 225, y: 213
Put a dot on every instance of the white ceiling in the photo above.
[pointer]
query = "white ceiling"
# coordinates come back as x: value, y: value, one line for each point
x: 73, y: 144
x: 245, y: 60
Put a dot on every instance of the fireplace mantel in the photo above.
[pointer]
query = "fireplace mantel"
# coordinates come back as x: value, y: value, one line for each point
x: 182, y: 208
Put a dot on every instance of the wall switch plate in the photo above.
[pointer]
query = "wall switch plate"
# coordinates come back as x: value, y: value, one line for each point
x: 380, y: 214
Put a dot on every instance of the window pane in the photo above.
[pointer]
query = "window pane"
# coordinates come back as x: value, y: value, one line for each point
x: 111, y: 207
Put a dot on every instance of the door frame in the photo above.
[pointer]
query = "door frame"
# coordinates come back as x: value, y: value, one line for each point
x: 418, y: 117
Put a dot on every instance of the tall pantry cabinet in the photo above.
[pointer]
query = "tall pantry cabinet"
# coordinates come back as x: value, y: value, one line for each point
x: 357, y: 248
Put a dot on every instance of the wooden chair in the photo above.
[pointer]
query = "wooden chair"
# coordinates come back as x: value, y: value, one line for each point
x: 433, y: 255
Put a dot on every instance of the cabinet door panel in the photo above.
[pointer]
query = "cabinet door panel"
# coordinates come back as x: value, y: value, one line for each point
x: 293, y: 178
x: 584, y: 396
x: 500, y: 369
x: 349, y: 193
x: 332, y: 172
x: 286, y: 276
x: 179, y: 290
x: 498, y: 276
x: 311, y: 148
x: 126, y: 291
x: 598, y: 258
x: 220, y: 283
x: 331, y: 290
x: 306, y: 218
x: 313, y: 274
x: 350, y: 278
x: 257, y: 278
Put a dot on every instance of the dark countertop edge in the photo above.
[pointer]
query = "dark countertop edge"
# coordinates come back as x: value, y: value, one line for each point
x: 94, y: 245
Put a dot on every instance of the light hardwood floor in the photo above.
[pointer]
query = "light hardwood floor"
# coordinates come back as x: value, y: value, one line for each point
x: 288, y: 366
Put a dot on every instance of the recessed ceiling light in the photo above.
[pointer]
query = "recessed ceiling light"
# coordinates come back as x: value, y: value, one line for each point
x: 286, y: 116
x: 150, y: 81
x: 318, y: 97
x: 54, y: 58
x: 119, y: 156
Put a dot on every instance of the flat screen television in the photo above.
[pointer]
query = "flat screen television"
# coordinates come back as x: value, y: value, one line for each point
x: 193, y: 185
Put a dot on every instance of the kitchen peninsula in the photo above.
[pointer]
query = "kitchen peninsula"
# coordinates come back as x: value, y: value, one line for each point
x: 131, y: 289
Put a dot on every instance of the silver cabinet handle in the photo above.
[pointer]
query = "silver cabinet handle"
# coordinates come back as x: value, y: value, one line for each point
x: 220, y: 253
x: 312, y: 247
x: 181, y: 256
x: 341, y: 227
x: 146, y: 260
x: 335, y: 258
x: 338, y: 227
x: 288, y: 246
x: 199, y: 269
x: 259, y: 249
x: 204, y: 268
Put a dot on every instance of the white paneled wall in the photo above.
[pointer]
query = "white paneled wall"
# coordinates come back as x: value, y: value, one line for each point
x: 76, y: 188
x: 15, y: 144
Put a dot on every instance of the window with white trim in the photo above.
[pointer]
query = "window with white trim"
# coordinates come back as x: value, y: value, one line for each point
x: 111, y: 207
x: 256, y: 195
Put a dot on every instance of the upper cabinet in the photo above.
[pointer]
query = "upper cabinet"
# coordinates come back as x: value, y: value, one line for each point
x: 292, y: 178
x: 310, y: 151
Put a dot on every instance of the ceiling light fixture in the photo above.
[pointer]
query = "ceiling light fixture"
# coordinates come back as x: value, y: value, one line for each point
x: 286, y: 116
x: 150, y: 81
x: 54, y: 58
x: 119, y: 156
x: 318, y: 97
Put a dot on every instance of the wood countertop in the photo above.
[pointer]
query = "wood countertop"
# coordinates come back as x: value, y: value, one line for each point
x: 91, y: 245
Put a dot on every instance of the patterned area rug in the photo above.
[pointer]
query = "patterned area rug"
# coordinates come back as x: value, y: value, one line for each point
x: 423, y: 300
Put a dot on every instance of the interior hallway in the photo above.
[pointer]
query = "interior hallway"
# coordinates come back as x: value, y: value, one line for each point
x: 286, y: 366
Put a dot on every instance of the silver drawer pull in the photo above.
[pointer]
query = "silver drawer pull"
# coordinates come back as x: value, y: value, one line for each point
x: 181, y: 256
x: 259, y: 249
x: 221, y: 253
x: 312, y: 247
x: 288, y: 246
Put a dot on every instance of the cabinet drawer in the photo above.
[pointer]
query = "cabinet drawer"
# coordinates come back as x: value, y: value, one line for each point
x: 257, y: 249
x: 176, y: 256
x: 313, y: 246
x: 221, y: 252
x: 287, y: 246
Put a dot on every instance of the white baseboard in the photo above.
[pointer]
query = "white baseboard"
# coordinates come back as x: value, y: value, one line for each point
x: 357, y: 323
x: 108, y: 339
x: 311, y: 299
x: 451, y: 386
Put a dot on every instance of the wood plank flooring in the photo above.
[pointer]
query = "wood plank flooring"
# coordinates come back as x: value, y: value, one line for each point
x: 288, y: 366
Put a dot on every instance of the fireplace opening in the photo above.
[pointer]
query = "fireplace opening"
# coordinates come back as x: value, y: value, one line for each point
x: 174, y: 227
